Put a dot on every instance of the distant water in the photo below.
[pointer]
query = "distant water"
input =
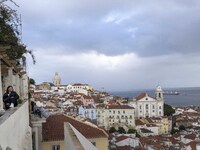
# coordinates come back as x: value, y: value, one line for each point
x: 186, y: 97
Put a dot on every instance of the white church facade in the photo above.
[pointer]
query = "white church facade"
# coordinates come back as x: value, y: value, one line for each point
x: 147, y: 106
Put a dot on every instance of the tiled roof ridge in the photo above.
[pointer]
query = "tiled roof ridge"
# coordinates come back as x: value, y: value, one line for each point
x: 53, y: 129
x: 142, y: 95
x: 103, y: 131
x: 86, y: 124
x: 116, y: 106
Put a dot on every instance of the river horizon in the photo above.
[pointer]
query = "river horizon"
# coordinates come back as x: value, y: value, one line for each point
x: 187, y: 96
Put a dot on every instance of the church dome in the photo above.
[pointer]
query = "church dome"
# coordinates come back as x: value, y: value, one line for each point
x: 56, y: 79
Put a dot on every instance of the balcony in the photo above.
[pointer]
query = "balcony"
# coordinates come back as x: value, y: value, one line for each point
x: 15, y: 132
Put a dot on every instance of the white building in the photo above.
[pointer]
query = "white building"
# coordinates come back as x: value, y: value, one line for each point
x: 124, y: 140
x: 78, y: 88
x: 56, y: 80
x: 87, y: 112
x: 146, y: 106
x: 90, y: 112
x: 115, y: 116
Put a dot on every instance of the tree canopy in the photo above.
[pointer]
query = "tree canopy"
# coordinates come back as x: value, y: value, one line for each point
x: 121, y: 130
x: 112, y: 130
x: 168, y: 110
x: 181, y: 127
x: 10, y: 34
x: 131, y: 131
x: 32, y: 81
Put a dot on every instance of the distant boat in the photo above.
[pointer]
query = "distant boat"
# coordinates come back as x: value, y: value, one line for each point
x: 171, y: 93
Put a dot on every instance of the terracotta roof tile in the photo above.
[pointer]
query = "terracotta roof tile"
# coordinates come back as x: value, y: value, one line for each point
x: 121, y: 138
x: 142, y: 95
x: 53, y: 129
x: 87, y: 97
x: 119, y: 107
x: 171, y: 148
x: 149, y: 120
x: 144, y: 130
x: 190, y: 136
x: 138, y: 122
x: 139, y: 148
x: 100, y: 106
x: 193, y: 144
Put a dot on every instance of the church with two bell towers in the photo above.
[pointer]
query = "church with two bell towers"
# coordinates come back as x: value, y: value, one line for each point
x: 147, y: 106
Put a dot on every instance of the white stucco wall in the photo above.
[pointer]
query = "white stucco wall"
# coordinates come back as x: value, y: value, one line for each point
x: 153, y: 107
x: 128, y: 142
x: 74, y: 140
x: 15, y: 131
x: 154, y: 130
x: 91, y: 113
x: 106, y: 117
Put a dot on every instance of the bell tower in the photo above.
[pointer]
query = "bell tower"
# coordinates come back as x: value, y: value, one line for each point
x: 159, y: 93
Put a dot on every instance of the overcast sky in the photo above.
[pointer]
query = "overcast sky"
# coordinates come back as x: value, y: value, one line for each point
x: 114, y: 44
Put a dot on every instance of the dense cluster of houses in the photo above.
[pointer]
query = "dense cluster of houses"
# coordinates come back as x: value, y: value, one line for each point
x: 144, y: 114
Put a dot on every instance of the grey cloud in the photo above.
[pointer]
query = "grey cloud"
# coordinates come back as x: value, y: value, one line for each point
x: 150, y: 29
x: 162, y: 27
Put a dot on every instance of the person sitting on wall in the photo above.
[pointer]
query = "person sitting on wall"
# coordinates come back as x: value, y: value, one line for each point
x: 10, y: 98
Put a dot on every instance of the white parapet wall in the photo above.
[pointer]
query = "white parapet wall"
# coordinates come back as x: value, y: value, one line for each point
x: 15, y: 132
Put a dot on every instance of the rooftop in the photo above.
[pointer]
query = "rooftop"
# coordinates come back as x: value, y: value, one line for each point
x: 53, y: 129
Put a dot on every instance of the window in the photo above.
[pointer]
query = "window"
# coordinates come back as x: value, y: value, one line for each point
x: 160, y: 107
x: 113, y: 112
x: 140, y: 106
x: 147, y: 106
x: 153, y: 106
x: 123, y: 112
x: 118, y: 112
x: 159, y: 95
x: 55, y: 147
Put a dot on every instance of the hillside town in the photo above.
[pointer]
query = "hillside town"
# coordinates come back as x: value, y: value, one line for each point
x: 115, y: 44
x: 111, y: 122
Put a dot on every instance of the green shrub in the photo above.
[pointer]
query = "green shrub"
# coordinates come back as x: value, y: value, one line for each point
x: 19, y: 101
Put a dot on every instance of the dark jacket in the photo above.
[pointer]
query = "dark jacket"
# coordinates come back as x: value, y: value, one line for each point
x: 10, y: 98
